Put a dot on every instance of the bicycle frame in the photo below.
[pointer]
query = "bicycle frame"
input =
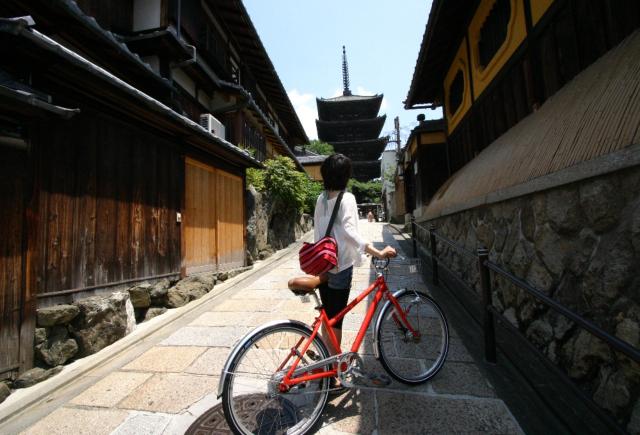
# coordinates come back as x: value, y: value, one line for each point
x: 380, y: 286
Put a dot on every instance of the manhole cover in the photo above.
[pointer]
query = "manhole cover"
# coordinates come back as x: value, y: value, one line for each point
x: 275, y: 415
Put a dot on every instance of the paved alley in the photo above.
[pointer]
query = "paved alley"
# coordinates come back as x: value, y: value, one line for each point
x: 168, y: 379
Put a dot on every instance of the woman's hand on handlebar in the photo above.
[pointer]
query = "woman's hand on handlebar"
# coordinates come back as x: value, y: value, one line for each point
x: 388, y: 252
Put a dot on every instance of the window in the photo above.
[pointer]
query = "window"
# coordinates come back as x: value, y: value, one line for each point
x: 456, y: 91
x: 493, y: 32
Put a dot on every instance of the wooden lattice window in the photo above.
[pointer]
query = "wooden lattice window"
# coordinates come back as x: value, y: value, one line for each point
x: 493, y: 32
x: 456, y: 92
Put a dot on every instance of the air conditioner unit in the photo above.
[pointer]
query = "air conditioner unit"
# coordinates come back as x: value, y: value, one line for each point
x: 212, y: 125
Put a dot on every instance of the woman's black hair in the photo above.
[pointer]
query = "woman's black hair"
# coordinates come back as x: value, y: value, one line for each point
x: 336, y: 171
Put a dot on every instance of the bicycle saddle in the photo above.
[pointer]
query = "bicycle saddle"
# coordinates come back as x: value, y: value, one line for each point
x: 303, y: 285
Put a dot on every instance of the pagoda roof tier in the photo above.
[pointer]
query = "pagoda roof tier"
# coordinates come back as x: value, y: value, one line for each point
x: 350, y: 131
x: 366, y: 171
x: 361, y: 150
x: 347, y: 107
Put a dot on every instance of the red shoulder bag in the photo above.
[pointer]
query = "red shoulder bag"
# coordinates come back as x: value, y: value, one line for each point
x: 321, y: 256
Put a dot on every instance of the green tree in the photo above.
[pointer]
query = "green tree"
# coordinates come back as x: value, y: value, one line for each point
x: 320, y: 147
x: 365, y: 192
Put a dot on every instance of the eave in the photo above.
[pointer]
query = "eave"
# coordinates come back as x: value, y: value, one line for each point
x: 445, y: 29
x: 72, y: 70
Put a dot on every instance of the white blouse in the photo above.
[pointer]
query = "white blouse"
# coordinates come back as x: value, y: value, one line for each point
x: 345, y: 229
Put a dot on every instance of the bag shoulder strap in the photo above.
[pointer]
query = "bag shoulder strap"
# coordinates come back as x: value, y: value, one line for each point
x: 336, y: 207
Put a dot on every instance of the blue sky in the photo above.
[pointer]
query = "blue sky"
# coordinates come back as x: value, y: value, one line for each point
x: 304, y: 40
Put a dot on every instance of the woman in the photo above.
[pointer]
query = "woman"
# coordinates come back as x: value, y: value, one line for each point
x: 336, y: 171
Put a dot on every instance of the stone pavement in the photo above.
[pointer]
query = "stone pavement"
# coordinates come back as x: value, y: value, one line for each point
x: 168, y: 379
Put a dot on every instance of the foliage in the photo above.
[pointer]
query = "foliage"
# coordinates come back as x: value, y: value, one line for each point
x: 280, y: 179
x: 313, y: 190
x: 285, y: 183
x: 320, y: 147
x: 255, y: 177
x: 365, y: 192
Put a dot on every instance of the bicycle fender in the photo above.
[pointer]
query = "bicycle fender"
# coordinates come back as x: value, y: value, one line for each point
x: 396, y: 294
x: 244, y: 341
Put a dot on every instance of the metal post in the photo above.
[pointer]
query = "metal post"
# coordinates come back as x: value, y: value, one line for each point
x: 414, y: 236
x: 489, y: 331
x: 434, y: 254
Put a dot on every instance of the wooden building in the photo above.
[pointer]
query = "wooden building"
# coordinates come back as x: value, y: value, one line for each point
x: 541, y: 103
x: 311, y: 162
x: 491, y: 63
x: 351, y: 124
x: 125, y: 132
x: 424, y: 161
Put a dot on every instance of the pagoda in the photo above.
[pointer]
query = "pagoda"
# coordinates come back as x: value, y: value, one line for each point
x: 351, y: 124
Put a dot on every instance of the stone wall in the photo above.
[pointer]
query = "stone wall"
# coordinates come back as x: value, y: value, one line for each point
x: 580, y: 244
x: 269, y: 227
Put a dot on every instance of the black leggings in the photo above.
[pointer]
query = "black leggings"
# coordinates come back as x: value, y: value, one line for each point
x: 334, y: 301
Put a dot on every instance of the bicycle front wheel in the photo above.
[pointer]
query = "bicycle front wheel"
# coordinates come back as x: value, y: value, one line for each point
x: 412, y: 357
x: 252, y: 400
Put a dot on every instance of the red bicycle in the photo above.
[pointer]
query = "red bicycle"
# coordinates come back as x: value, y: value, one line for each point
x: 276, y: 379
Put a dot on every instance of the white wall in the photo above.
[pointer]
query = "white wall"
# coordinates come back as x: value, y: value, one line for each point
x: 146, y: 14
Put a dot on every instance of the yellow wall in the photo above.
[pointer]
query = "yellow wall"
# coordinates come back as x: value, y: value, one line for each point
x: 516, y: 33
x: 460, y: 63
x: 435, y: 137
x: 314, y: 171
x: 538, y: 8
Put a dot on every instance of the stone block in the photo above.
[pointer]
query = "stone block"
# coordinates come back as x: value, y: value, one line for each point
x: 585, y: 354
x: 170, y: 393
x: 154, y: 312
x: 601, y: 199
x: 563, y: 210
x: 56, y: 315
x: 158, y: 292
x: 397, y: 414
x: 186, y: 291
x: 34, y: 376
x: 165, y: 359
x: 110, y: 390
x: 58, y: 348
x: 4, y: 391
x: 613, y: 392
x: 75, y: 421
x: 140, y: 295
x: 102, y: 321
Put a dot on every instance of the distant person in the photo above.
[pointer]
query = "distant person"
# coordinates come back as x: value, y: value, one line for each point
x: 370, y: 216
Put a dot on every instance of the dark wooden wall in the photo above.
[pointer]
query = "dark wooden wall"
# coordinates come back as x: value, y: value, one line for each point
x: 432, y: 171
x: 13, y: 184
x: 108, y: 197
x: 571, y: 36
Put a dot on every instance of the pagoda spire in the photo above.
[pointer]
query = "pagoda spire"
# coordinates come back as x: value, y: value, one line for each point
x: 345, y: 73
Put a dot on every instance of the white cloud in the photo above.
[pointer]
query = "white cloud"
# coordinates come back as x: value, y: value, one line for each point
x: 305, y: 107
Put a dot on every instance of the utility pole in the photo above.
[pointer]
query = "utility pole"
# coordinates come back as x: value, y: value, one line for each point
x: 396, y: 127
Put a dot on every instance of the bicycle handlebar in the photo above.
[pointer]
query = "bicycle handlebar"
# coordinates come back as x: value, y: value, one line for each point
x: 380, y: 264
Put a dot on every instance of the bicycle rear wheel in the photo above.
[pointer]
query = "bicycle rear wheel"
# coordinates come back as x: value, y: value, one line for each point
x: 252, y: 401
x: 412, y: 358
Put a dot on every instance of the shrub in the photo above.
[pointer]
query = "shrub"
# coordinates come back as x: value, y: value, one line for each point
x: 255, y: 177
x: 285, y: 183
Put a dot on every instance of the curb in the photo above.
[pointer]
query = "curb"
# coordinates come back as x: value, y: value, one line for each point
x: 21, y: 399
